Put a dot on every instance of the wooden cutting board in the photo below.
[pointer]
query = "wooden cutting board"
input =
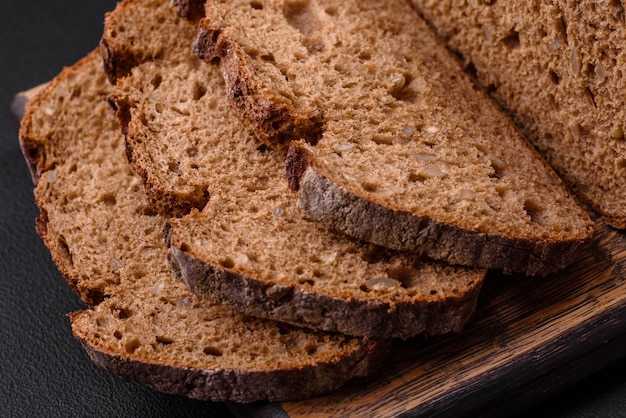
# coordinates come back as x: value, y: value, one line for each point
x: 528, y: 337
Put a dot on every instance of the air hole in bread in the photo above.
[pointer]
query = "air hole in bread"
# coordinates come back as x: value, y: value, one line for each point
x: 132, y: 345
x: 407, y: 276
x: 164, y: 340
x: 192, y: 151
x: 591, y: 96
x: 109, y: 199
x: 365, y: 55
x: 117, y: 334
x: 299, y: 271
x: 331, y: 11
x: 621, y: 163
x: 560, y: 26
x: 174, y: 166
x: 156, y: 81
x: 198, y: 91
x: 268, y: 57
x: 310, y: 349
x: 511, y: 40
x: 383, y: 139
x: 301, y: 15
x: 148, y: 211
x: 120, y: 313
x: 374, y: 254
x: 401, y: 88
x: 76, y: 92
x: 619, y: 10
x: 534, y: 210
x: 227, y: 262
x: 307, y: 281
x: 256, y: 5
x: 369, y: 186
x: 212, y: 351
x: 554, y: 77
x: 64, y: 252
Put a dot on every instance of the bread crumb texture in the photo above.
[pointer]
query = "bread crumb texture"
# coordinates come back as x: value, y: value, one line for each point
x: 400, y: 123
x: 143, y: 324
x: 558, y: 69
x: 183, y: 137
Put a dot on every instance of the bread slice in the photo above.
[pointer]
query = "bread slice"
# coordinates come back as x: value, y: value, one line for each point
x: 143, y: 324
x: 390, y: 140
x: 250, y: 246
x: 557, y: 68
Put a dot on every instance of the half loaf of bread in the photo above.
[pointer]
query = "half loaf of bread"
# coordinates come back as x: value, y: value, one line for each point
x: 143, y: 324
x: 250, y: 246
x: 390, y: 141
x: 558, y: 68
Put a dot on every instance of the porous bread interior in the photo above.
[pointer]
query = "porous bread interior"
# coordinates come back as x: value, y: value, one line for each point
x: 251, y: 225
x: 97, y: 220
x: 558, y: 68
x: 403, y: 125
x: 123, y: 33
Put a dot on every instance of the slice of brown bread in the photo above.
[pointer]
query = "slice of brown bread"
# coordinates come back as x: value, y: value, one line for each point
x: 558, y: 68
x: 250, y: 246
x: 393, y: 143
x: 143, y: 324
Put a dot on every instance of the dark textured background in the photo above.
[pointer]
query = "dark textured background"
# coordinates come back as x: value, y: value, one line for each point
x: 43, y: 371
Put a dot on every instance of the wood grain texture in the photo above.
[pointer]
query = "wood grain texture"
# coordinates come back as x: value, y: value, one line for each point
x: 524, y: 331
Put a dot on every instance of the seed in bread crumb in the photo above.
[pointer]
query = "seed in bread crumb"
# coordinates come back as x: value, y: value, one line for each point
x: 427, y: 173
x: 341, y: 148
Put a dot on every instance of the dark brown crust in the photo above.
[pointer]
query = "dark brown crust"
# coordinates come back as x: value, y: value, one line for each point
x: 192, y: 10
x: 164, y: 202
x: 238, y: 385
x: 322, y: 200
x: 275, y: 120
x: 364, y: 318
x: 355, y: 215
x: 213, y: 384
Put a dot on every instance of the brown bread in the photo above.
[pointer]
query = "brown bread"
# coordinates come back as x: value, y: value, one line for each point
x: 143, y: 324
x: 390, y: 140
x: 557, y: 67
x: 250, y: 246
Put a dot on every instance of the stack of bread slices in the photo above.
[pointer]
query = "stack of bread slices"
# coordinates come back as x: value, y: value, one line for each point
x: 255, y: 197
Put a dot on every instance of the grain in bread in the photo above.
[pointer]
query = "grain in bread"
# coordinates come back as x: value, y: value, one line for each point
x: 143, y: 324
x: 250, y: 246
x: 390, y: 140
x: 557, y: 67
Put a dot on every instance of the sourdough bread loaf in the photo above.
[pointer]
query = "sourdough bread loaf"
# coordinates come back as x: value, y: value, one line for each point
x: 143, y: 324
x: 557, y: 67
x: 250, y: 246
x: 390, y: 142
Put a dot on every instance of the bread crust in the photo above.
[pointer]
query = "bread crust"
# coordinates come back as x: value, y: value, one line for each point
x: 274, y: 120
x: 141, y: 276
x: 322, y: 200
x: 236, y: 385
x: 162, y: 199
x: 357, y: 317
